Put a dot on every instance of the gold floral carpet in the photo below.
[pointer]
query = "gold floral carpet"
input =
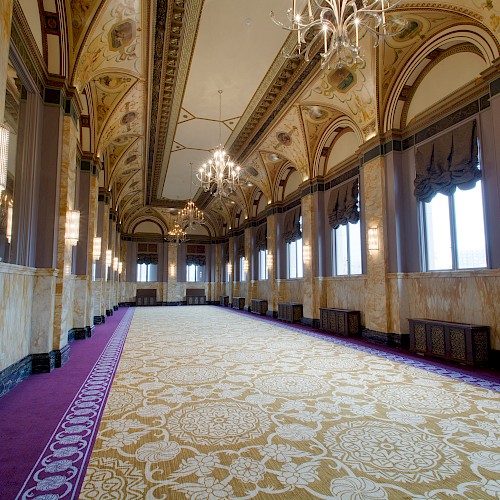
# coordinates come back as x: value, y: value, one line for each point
x: 209, y: 404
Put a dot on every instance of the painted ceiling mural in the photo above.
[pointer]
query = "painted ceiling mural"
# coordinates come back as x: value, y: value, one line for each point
x: 272, y: 117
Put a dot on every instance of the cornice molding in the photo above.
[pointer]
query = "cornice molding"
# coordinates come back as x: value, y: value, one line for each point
x: 175, y: 35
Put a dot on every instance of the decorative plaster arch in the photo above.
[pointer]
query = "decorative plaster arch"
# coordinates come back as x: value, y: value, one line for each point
x: 345, y: 122
x: 283, y: 174
x: 476, y: 35
x: 155, y: 218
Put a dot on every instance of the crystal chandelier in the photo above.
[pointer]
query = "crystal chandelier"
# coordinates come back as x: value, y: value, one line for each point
x: 219, y: 175
x: 190, y: 214
x: 338, y: 25
x: 176, y: 234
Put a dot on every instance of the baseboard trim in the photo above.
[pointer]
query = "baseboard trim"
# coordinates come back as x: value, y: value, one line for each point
x: 15, y: 374
x: 401, y: 340
x: 62, y: 356
x: 43, y: 362
x: 99, y: 320
x: 109, y: 312
x: 271, y: 314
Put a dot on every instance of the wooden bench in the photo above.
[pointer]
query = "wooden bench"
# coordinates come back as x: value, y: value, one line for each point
x: 145, y: 297
x: 290, y: 311
x: 340, y: 321
x: 460, y: 342
x: 259, y: 306
x: 195, y: 296
x: 224, y: 300
x: 238, y: 303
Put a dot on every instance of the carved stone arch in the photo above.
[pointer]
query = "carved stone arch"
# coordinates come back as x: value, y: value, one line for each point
x: 328, y: 139
x: 478, y: 36
x: 282, y: 177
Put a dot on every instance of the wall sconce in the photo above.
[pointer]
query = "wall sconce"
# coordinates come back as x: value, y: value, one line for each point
x: 115, y: 264
x: 120, y: 267
x: 4, y: 156
x: 229, y: 269
x: 245, y: 266
x: 373, y: 239
x: 172, y: 270
x: 96, y: 248
x: 306, y: 254
x: 269, y: 260
x: 8, y: 231
x: 72, y: 227
x: 109, y: 258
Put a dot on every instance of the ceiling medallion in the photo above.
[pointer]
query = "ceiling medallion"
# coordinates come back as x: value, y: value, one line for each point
x: 219, y: 175
x: 339, y: 25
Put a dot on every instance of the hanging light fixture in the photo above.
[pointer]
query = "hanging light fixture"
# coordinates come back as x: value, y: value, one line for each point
x: 219, y: 175
x: 338, y: 25
x: 4, y: 157
x: 190, y: 214
x: 115, y: 264
x: 120, y: 267
x: 72, y: 227
x: 176, y: 234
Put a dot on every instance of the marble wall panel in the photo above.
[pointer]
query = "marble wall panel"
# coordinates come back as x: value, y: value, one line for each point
x: 80, y: 303
x: 290, y: 290
x: 466, y: 297
x: 97, y: 294
x: 42, y: 323
x: 5, y: 24
x: 346, y: 292
x: 16, y: 290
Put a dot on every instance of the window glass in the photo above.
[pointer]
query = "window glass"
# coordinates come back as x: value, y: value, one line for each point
x: 341, y: 259
x: 454, y: 230
x: 469, y: 223
x: 263, y: 273
x: 355, y: 248
x: 147, y: 272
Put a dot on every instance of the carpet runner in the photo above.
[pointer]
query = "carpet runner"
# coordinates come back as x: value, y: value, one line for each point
x: 210, y: 404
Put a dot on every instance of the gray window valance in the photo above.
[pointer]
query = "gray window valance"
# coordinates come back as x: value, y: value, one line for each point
x: 197, y: 260
x: 241, y: 246
x: 261, y: 238
x: 448, y: 162
x: 291, y: 227
x: 147, y: 258
x: 343, y: 204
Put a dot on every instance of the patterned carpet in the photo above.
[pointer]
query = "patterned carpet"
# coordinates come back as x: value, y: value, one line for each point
x: 207, y: 404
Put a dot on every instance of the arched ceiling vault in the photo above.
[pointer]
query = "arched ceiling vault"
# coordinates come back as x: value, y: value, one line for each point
x: 148, y: 74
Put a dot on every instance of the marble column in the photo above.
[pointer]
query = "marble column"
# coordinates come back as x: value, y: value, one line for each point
x: 5, y: 25
x: 272, y: 247
x: 63, y: 319
x: 174, y: 290
x: 373, y: 192
x: 248, y: 285
x: 233, y: 268
x: 310, y: 217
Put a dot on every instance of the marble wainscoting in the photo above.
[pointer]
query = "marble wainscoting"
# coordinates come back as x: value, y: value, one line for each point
x: 291, y: 290
x: 16, y: 288
x: 43, y: 311
x: 81, y: 304
x: 341, y: 292
x: 458, y: 296
x: 98, y: 300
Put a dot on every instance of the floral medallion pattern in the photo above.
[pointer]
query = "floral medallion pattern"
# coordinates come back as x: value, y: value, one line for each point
x: 242, y: 408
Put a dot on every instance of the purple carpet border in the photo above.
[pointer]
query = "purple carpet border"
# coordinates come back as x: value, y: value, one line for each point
x: 60, y: 469
x: 398, y: 358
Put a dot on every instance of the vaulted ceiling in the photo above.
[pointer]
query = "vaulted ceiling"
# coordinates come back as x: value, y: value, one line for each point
x: 148, y: 76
